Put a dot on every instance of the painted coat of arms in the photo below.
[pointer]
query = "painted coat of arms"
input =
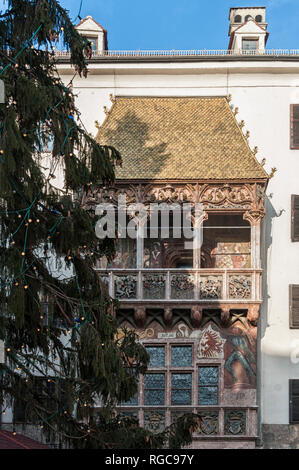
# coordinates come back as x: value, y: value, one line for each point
x: 211, y: 344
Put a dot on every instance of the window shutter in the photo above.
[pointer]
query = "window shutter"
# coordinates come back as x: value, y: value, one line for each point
x: 295, y: 218
x: 294, y: 401
x: 294, y: 306
x: 294, y: 126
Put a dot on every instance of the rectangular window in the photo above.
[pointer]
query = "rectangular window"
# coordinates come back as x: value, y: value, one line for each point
x: 181, y: 356
x: 208, y: 378
x: 295, y: 218
x: 294, y: 306
x: 294, y: 401
x: 94, y: 43
x: 154, y: 388
x: 249, y: 46
x: 181, y: 389
x: 157, y: 356
x: 294, y: 126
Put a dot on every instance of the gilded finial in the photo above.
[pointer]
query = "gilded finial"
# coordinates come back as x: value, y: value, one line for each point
x: 106, y: 110
x: 273, y: 171
x: 229, y: 98
x: 236, y: 111
x: 97, y: 124
x: 255, y: 150
x: 263, y: 162
x: 247, y: 135
x: 242, y: 124
x: 112, y: 98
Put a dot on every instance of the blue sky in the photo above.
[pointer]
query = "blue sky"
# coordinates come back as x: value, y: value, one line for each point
x: 183, y: 24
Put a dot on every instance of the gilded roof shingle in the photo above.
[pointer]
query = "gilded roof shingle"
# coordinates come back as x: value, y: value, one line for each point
x: 178, y: 138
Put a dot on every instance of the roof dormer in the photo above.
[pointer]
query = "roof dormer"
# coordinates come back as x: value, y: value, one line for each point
x: 95, y: 33
x: 248, y: 30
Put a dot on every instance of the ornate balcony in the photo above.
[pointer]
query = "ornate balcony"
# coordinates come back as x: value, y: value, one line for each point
x: 180, y: 285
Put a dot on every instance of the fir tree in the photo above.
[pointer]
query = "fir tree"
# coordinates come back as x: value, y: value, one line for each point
x: 62, y: 349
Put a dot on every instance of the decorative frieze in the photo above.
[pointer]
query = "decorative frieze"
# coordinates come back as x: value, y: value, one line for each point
x: 209, y: 423
x: 248, y: 197
x: 182, y: 286
x: 235, y: 422
x: 210, y: 287
x: 240, y: 287
x: 126, y: 287
x: 154, y: 421
x: 154, y: 286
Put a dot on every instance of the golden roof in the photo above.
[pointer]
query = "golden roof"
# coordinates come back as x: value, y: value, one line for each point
x: 178, y: 138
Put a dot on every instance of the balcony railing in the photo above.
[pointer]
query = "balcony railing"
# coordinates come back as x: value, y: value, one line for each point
x: 172, y: 285
x: 189, y: 53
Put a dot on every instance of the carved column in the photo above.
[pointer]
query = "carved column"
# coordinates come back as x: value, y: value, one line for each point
x: 139, y: 247
x: 256, y: 245
x: 198, y: 219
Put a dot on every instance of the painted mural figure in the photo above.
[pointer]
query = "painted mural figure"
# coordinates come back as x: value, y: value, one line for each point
x: 156, y: 256
x: 241, y: 353
x: 239, y: 260
x: 147, y: 257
